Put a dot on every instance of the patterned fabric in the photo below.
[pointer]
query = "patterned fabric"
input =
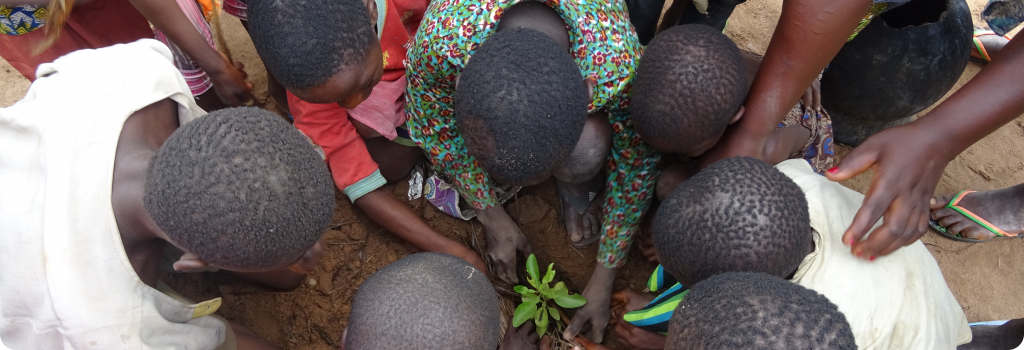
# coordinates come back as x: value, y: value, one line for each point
x: 18, y: 20
x: 198, y: 81
x: 605, y: 48
x: 1003, y: 15
x: 873, y: 11
x: 237, y: 8
x: 818, y: 151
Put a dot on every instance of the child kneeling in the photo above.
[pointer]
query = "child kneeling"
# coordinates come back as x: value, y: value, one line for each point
x: 743, y: 215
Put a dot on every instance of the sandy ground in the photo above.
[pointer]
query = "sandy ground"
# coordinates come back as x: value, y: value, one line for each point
x: 312, y: 316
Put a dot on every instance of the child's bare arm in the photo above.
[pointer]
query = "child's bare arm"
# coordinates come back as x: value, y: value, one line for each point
x: 228, y: 81
x: 784, y: 142
x: 285, y: 279
x: 395, y: 216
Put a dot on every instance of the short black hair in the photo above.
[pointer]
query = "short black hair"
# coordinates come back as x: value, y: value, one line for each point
x: 689, y: 84
x: 425, y: 301
x: 520, y: 105
x: 739, y: 214
x: 305, y: 42
x: 240, y: 188
x: 752, y: 311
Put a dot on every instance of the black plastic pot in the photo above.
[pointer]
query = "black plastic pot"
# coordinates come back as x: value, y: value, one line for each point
x: 905, y: 60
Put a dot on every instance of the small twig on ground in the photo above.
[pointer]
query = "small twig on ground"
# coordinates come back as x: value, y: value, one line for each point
x: 326, y: 337
x: 340, y: 224
x: 262, y: 293
x: 346, y: 243
x: 575, y: 250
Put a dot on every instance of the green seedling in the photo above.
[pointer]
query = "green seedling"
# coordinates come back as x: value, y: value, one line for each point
x: 535, y: 304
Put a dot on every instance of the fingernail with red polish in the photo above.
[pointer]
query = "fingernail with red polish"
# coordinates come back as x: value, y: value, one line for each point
x: 872, y: 258
x: 833, y: 170
x: 857, y: 254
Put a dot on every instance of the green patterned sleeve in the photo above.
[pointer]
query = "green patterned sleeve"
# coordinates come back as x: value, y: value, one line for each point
x: 632, y: 174
x: 429, y: 109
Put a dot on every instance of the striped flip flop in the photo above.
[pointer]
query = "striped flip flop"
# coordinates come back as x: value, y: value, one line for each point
x: 974, y: 217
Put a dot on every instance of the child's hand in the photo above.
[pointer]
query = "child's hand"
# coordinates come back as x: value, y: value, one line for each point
x: 638, y: 338
x: 524, y: 338
x: 812, y: 97
x: 503, y: 241
x: 308, y: 261
x: 229, y: 83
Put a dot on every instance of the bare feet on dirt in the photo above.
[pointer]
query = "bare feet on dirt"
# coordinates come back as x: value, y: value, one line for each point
x: 1002, y: 208
x: 582, y: 228
x: 504, y: 239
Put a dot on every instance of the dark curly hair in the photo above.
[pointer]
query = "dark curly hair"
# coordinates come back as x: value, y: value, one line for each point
x: 689, y: 84
x: 754, y: 311
x: 425, y: 301
x: 739, y: 214
x: 520, y: 105
x: 304, y: 43
x: 241, y: 189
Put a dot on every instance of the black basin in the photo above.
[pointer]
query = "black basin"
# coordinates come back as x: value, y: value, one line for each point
x: 901, y: 63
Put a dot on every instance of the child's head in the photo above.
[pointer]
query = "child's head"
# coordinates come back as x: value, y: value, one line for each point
x: 520, y: 105
x: 241, y: 190
x: 424, y: 301
x: 321, y: 51
x: 737, y: 215
x: 753, y: 311
x: 689, y: 86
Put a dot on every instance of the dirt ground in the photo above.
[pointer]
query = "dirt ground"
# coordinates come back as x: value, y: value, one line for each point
x: 314, y: 315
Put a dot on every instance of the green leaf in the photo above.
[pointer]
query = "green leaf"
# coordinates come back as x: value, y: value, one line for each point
x: 523, y: 289
x: 550, y: 275
x: 531, y: 298
x: 553, y: 311
x: 533, y: 270
x: 523, y: 313
x: 570, y: 301
x: 560, y: 289
x: 541, y: 321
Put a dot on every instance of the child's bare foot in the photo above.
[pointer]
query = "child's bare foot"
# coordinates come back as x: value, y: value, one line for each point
x: 1003, y: 208
x: 1007, y: 336
x: 583, y: 227
x: 504, y: 239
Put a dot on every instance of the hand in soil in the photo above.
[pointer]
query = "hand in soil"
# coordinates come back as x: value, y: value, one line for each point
x: 596, y: 311
x: 230, y: 85
x: 504, y: 239
x: 628, y: 300
x: 907, y: 162
x: 638, y: 338
x: 1002, y: 208
x: 524, y: 338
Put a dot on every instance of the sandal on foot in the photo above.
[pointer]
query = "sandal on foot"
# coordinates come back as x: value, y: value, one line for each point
x: 978, y: 33
x: 580, y: 204
x: 970, y: 215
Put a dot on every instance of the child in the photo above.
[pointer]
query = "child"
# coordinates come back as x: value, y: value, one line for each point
x: 345, y: 93
x: 597, y: 39
x: 106, y: 162
x: 424, y: 301
x: 742, y: 214
x: 691, y: 84
x: 429, y: 301
x: 742, y: 310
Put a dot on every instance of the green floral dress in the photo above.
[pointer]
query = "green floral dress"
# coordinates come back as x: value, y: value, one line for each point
x: 605, y: 48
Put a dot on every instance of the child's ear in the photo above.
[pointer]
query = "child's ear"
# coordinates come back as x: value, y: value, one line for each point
x: 591, y: 84
x: 189, y: 261
x: 739, y: 114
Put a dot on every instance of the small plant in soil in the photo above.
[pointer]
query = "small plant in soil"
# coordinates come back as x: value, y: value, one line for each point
x: 536, y: 304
